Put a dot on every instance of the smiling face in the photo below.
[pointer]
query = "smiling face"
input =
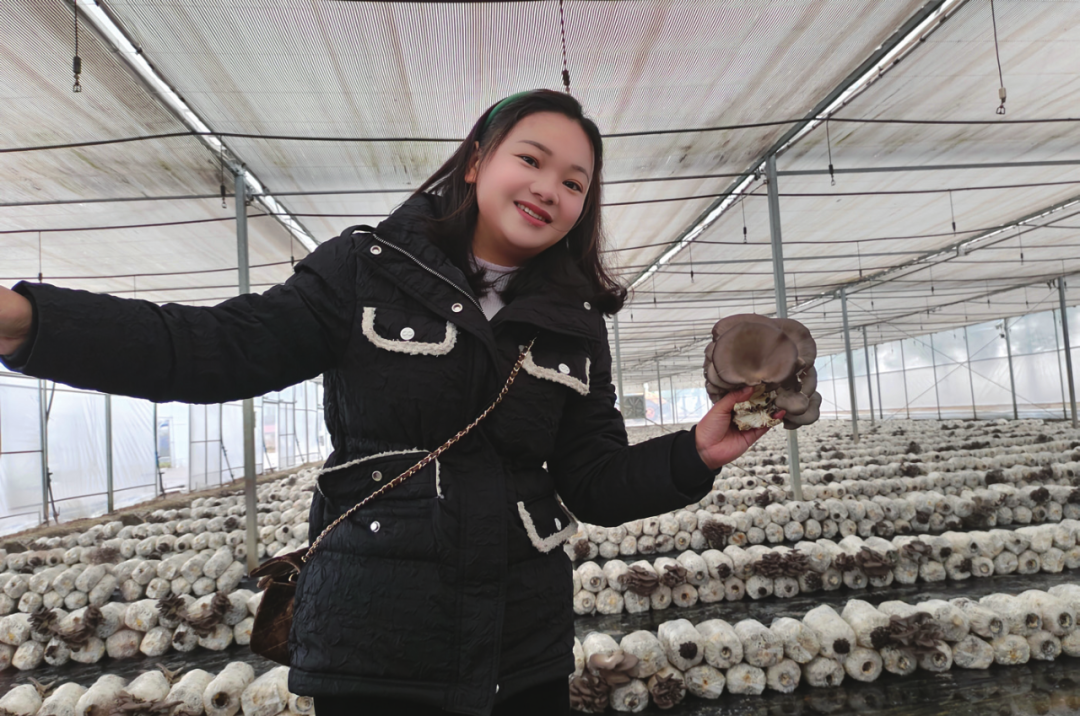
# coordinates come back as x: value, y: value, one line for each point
x: 531, y: 189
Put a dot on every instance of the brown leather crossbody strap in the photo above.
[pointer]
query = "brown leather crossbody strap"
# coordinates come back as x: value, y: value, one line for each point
x: 433, y: 455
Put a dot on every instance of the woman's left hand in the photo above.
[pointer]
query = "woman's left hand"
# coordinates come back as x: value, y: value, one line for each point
x: 718, y: 440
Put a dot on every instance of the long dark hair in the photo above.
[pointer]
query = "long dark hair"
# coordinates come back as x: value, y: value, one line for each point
x: 453, y: 232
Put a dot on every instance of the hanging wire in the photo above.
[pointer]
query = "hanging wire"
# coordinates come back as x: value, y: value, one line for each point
x: 40, y: 275
x: 828, y: 142
x: 76, y: 62
x: 1020, y: 238
x: 565, y: 67
x: 952, y: 212
x: 742, y: 203
x: 221, y: 171
x: 690, y: 251
x: 997, y: 54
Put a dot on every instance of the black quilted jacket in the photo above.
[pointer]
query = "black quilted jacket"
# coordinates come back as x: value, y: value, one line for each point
x: 452, y: 589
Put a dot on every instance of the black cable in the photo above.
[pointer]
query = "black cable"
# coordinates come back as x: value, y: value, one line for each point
x: 997, y: 54
x: 639, y: 202
x: 458, y: 140
x: 146, y: 275
x: 116, y: 227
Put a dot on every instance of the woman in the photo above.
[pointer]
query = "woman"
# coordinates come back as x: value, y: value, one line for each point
x: 449, y: 593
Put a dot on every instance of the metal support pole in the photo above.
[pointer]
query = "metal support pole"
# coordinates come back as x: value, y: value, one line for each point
x: 659, y: 395
x: 971, y: 375
x: 1012, y: 378
x: 44, y: 417
x: 850, y: 367
x: 244, y: 272
x: 1061, y: 373
x: 933, y: 363
x: 903, y: 378
x: 869, y: 382
x: 618, y: 359
x: 674, y: 411
x: 877, y: 377
x: 1068, y: 348
x: 108, y: 454
x: 781, y: 303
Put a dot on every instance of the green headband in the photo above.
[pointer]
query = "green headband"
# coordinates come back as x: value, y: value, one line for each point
x: 495, y: 110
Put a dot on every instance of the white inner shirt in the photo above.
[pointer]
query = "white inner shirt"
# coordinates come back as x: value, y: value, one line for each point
x: 491, y: 302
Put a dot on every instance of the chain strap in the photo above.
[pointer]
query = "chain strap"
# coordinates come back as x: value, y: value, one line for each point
x: 434, y: 455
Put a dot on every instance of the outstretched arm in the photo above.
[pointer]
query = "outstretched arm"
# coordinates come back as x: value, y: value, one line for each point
x: 606, y: 481
x: 246, y: 346
x: 16, y: 317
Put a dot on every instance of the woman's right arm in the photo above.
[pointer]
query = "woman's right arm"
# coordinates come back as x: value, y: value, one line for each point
x: 16, y: 317
x: 246, y: 346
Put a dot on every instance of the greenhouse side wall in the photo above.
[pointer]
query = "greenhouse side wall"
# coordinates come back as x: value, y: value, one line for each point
x: 108, y: 452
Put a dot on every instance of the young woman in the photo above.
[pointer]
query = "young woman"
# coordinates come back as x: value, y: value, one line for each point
x: 449, y: 593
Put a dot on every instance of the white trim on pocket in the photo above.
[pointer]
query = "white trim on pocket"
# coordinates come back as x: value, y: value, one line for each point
x: 539, y: 371
x: 353, y: 463
x: 545, y: 544
x: 411, y: 347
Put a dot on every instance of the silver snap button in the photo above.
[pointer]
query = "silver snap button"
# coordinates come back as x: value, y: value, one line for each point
x: 588, y: 306
x: 375, y: 526
x: 558, y: 524
x: 456, y: 308
x: 407, y: 333
x: 376, y: 250
x: 376, y: 476
x: 564, y: 369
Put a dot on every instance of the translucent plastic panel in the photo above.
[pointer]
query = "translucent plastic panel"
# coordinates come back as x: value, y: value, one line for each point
x: 232, y: 436
x: 77, y: 453
x: 954, y: 390
x: 174, y: 445
x: 917, y: 353
x: 1034, y: 333
x: 134, y: 476
x: 985, y: 341
x: 893, y: 394
x: 198, y: 423
x: 888, y: 357
x: 1038, y: 383
x: 949, y: 347
x: 198, y: 473
x: 921, y: 395
x: 992, y: 395
x: 20, y: 411
x: 20, y: 491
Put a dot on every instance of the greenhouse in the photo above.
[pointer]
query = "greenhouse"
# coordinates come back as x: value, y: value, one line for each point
x: 859, y: 217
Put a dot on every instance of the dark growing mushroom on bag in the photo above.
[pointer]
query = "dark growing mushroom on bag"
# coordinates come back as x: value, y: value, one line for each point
x: 775, y: 356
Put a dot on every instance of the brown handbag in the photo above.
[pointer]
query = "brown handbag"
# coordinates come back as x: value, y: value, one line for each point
x: 277, y: 577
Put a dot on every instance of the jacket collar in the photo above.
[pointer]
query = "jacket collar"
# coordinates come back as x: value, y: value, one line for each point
x: 560, y: 308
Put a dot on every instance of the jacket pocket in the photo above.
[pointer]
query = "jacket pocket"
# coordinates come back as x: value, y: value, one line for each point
x: 394, y: 329
x: 559, y: 364
x: 347, y: 485
x: 547, y: 522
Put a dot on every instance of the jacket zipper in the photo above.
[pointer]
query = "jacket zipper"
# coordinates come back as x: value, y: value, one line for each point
x: 431, y: 271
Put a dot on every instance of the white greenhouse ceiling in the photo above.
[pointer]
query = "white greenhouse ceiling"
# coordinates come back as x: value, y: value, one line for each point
x: 346, y: 106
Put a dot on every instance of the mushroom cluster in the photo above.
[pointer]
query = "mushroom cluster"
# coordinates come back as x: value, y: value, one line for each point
x: 235, y: 690
x: 878, y: 487
x: 859, y: 641
x: 757, y: 571
x: 775, y: 356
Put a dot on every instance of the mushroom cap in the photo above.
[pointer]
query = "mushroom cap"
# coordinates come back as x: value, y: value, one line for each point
x: 792, y: 402
x: 810, y: 415
x: 725, y: 324
x: 808, y: 381
x: 752, y: 353
x: 798, y: 333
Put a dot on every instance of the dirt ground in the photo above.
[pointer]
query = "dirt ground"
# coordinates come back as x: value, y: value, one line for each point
x: 136, y: 513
